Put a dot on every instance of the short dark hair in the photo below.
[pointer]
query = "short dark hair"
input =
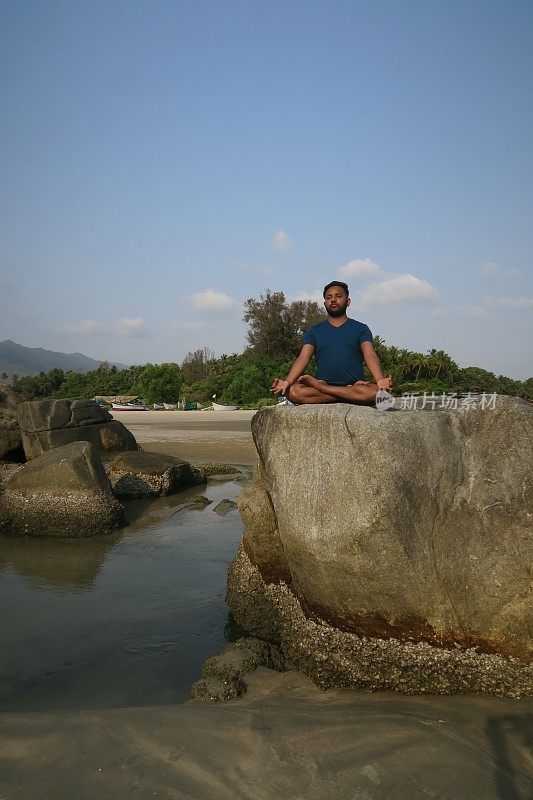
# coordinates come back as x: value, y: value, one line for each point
x: 336, y: 283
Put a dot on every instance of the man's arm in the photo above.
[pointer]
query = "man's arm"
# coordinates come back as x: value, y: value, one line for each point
x: 297, y: 369
x: 373, y: 363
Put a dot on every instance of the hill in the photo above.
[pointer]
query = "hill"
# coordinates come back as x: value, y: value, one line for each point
x: 15, y: 359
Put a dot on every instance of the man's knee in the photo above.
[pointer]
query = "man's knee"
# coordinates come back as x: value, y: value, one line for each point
x: 295, y: 393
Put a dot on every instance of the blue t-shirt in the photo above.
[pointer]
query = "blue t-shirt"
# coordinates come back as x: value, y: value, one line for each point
x: 338, y: 350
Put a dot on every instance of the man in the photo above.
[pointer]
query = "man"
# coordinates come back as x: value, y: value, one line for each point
x: 341, y: 344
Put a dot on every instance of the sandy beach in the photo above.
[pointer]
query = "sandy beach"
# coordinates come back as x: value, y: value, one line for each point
x: 193, y: 435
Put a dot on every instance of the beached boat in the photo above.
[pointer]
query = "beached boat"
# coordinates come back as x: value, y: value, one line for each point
x: 170, y: 406
x: 220, y: 407
x: 129, y: 407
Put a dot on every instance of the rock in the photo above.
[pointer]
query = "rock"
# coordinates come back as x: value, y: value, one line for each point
x: 210, y: 468
x: 379, y: 543
x: 49, y: 415
x: 197, y: 503
x: 140, y: 474
x: 64, y: 492
x: 48, y: 424
x: 10, y: 434
x: 213, y: 690
x: 224, y: 506
x: 224, y: 674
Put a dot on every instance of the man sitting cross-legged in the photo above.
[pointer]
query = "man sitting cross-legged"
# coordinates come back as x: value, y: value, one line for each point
x: 341, y: 344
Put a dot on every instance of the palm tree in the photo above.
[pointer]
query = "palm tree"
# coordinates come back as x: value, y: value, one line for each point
x: 380, y: 347
x: 419, y: 362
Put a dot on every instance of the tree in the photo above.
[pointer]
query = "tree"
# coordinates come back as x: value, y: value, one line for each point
x: 160, y: 383
x: 275, y: 328
x: 197, y: 365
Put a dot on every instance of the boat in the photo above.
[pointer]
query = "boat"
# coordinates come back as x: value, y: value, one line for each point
x: 170, y: 406
x: 128, y: 407
x: 220, y: 407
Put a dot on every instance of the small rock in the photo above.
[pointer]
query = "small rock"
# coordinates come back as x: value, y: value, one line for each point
x: 211, y: 468
x: 224, y: 506
x: 214, y: 690
x: 195, y: 503
x: 142, y: 474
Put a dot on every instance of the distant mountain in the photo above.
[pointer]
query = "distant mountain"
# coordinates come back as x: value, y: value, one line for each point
x: 15, y: 359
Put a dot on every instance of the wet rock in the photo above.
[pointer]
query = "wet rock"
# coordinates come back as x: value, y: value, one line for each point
x: 224, y: 506
x: 141, y: 474
x: 197, y: 503
x: 214, y: 690
x: 64, y: 492
x: 48, y: 424
x: 224, y: 674
x: 332, y: 657
x: 210, y: 468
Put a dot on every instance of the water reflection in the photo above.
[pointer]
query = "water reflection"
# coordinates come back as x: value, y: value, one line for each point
x: 119, y: 619
x: 60, y: 563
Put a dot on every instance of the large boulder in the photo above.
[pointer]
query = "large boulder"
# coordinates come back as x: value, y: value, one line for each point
x: 64, y: 492
x: 47, y: 424
x: 410, y: 530
x: 10, y: 434
x: 141, y: 474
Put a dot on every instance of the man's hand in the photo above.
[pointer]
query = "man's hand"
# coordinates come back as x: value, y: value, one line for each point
x: 385, y: 383
x: 280, y: 387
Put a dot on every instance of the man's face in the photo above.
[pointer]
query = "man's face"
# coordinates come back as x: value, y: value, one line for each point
x: 336, y: 301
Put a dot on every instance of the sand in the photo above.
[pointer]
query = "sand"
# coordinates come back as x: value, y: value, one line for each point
x: 193, y: 435
x: 285, y: 739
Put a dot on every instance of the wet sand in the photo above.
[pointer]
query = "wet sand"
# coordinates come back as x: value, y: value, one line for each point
x: 193, y: 435
x: 284, y: 739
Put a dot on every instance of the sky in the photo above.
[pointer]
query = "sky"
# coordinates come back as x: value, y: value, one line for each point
x: 161, y: 162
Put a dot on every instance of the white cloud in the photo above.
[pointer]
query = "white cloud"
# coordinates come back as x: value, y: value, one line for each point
x: 509, y: 302
x: 398, y: 289
x: 359, y: 267
x: 187, y: 326
x: 87, y: 327
x: 496, y: 271
x: 132, y: 326
x: 282, y: 241
x: 212, y: 300
x: 315, y: 296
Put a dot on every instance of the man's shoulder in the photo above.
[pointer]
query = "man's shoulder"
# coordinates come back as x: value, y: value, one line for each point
x: 317, y: 327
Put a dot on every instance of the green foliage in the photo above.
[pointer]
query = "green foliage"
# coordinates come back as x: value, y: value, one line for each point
x: 159, y: 383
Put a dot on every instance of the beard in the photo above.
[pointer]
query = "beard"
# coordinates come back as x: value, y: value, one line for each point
x: 336, y: 312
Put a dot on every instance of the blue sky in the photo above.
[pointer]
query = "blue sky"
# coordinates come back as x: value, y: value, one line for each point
x: 163, y: 161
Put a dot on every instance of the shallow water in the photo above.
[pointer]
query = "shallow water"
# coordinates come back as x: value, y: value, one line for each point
x: 119, y: 620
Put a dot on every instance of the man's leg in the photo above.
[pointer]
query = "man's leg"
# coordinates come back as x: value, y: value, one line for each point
x: 362, y: 392
x: 299, y: 394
